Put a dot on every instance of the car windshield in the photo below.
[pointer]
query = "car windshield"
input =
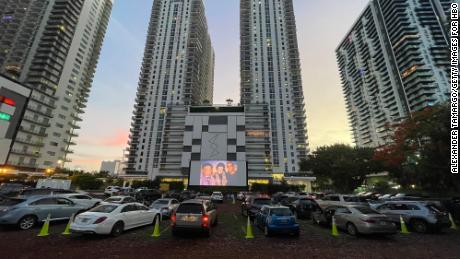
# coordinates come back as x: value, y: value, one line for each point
x: 160, y: 202
x: 366, y: 210
x: 262, y: 201
x: 9, y: 202
x: 190, y: 208
x: 104, y: 208
x: 281, y: 212
x: 113, y: 199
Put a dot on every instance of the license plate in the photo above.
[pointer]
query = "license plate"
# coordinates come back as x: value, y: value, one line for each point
x: 189, y: 218
x: 383, y: 223
x: 84, y: 220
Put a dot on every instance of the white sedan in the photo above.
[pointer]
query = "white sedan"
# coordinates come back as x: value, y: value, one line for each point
x: 114, y: 219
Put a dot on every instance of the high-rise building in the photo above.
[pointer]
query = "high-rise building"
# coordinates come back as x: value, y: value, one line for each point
x: 394, y: 61
x: 270, y: 74
x: 51, y: 46
x: 114, y: 167
x: 177, y: 70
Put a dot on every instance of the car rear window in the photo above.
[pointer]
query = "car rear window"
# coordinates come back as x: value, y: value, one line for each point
x: 366, y: 210
x: 161, y: 202
x: 190, y: 208
x: 281, y: 212
x: 104, y: 208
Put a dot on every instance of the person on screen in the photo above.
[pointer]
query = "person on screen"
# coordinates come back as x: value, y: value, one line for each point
x: 220, y: 177
x: 232, y: 170
x: 206, y: 178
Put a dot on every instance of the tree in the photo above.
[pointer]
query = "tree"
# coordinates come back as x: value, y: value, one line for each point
x: 86, y: 181
x: 419, y: 152
x: 341, y: 167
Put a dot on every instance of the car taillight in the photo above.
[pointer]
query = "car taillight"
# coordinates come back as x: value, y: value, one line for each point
x: 205, y: 220
x: 173, y: 219
x: 100, y: 220
x: 369, y: 221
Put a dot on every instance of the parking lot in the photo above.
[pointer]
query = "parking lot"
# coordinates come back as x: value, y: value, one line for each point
x: 227, y: 241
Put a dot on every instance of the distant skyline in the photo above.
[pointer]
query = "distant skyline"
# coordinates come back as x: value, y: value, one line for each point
x: 321, y: 25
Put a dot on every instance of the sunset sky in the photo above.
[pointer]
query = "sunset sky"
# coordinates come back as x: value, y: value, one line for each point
x: 321, y: 25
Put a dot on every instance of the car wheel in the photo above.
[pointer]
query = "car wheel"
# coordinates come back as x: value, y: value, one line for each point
x: 117, y: 229
x: 351, y: 229
x: 419, y: 226
x: 267, y: 231
x: 27, y: 222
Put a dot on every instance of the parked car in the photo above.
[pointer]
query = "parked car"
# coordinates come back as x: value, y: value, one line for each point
x: 356, y: 219
x: 43, y: 191
x: 83, y: 199
x: 203, y: 197
x: 194, y: 215
x: 114, y: 219
x: 166, y: 206
x: 111, y: 190
x: 147, y: 196
x: 126, y: 191
x: 119, y: 199
x: 12, y: 189
x: 252, y: 205
x: 420, y: 216
x: 304, y: 207
x: 186, y: 195
x: 217, y: 197
x: 276, y: 219
x: 27, y: 212
x: 341, y: 199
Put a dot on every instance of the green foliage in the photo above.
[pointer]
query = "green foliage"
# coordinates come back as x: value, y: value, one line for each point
x: 176, y: 186
x: 86, y: 181
x: 419, y: 153
x: 341, y: 168
x: 274, y: 188
x: 381, y: 187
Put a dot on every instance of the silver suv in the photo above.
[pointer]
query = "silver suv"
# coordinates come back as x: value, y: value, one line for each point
x: 420, y: 216
x: 194, y: 215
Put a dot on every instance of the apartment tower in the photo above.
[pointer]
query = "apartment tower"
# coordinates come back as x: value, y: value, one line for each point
x: 51, y: 46
x: 177, y: 71
x: 270, y: 75
x: 394, y: 61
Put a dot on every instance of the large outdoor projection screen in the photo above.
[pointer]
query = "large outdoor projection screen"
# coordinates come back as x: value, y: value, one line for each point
x: 218, y: 173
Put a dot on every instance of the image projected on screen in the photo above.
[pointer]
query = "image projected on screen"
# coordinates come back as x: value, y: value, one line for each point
x: 218, y: 173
